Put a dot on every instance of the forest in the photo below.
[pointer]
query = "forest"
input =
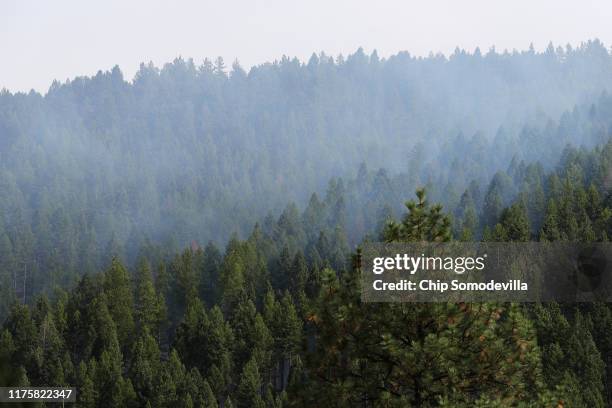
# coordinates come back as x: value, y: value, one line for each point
x: 190, y: 238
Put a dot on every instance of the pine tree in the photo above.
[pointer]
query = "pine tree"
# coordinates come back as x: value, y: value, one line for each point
x: 299, y: 275
x: 183, y: 269
x: 232, y: 280
x: 150, y: 309
x: 313, y: 217
x: 194, y: 386
x: 550, y: 229
x: 424, y: 353
x: 144, y: 367
x: 205, y: 340
x: 120, y: 301
x: 281, y: 275
x: 219, y: 67
x: 22, y: 377
x: 7, y: 348
x: 601, y: 331
x: 209, y: 397
x: 585, y: 361
x: 51, y: 347
x: 251, y: 336
x: 170, y: 384
x: 290, y: 327
x: 469, y: 227
x: 22, y: 338
x: 515, y: 223
x: 87, y: 394
x: 108, y: 380
x: 569, y: 356
x: 248, y: 394
x: 210, y: 274
x: 421, y: 223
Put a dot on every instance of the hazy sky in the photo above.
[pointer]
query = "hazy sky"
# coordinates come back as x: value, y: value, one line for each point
x: 59, y: 39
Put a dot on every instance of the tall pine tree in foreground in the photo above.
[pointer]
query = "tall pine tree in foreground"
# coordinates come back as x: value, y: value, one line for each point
x: 401, y: 355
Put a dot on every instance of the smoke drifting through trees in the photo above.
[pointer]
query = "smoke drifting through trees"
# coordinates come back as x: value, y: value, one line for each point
x: 306, y: 160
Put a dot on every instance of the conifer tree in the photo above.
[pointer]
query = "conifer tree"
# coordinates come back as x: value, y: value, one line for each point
x: 144, y: 367
x: 515, y: 223
x: 232, y: 280
x: 7, y: 348
x: 22, y: 336
x: 299, y: 274
x: 421, y: 223
x: 550, y: 229
x: 150, y: 308
x: 408, y: 354
x: 248, y: 394
x: 205, y: 340
x: 120, y: 301
x: 52, y: 357
x: 290, y: 327
x: 469, y: 228
x: 210, y: 274
x: 251, y: 336
x: 585, y: 360
x: 87, y: 394
x: 601, y: 331
x: 281, y: 276
x: 208, y: 396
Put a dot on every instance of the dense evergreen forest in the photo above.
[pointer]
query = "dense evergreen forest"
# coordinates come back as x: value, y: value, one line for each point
x: 188, y: 239
x: 276, y: 319
x: 198, y: 152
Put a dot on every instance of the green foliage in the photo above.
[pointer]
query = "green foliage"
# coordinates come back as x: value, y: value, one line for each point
x: 206, y: 340
x: 277, y: 320
x: 252, y: 336
x: 407, y: 354
x: 421, y: 223
x: 150, y: 307
x: 120, y: 300
x: 248, y: 394
x: 322, y: 347
x: 98, y: 167
x: 513, y: 225
x: 145, y: 366
x: 570, y: 356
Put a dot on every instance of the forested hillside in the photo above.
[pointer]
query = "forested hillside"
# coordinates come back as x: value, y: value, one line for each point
x: 189, y: 237
x: 192, y: 153
x: 276, y: 319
